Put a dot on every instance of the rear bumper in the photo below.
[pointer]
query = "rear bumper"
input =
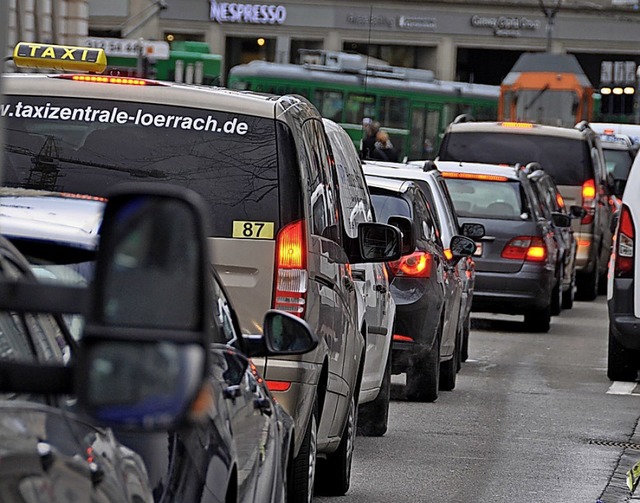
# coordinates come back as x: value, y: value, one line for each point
x: 513, y: 293
x: 623, y: 324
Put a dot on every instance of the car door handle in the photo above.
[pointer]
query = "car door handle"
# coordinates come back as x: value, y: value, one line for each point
x: 232, y: 392
x: 264, y: 405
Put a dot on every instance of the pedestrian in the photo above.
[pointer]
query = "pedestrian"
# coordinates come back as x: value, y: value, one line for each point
x: 384, y: 149
x: 370, y: 129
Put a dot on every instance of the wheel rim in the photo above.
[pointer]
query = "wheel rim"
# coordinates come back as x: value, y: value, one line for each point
x: 350, y: 436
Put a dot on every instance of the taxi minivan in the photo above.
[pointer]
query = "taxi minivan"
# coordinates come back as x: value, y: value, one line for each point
x: 262, y: 163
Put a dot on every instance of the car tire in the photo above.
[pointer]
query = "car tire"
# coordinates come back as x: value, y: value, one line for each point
x: 448, y: 373
x: 334, y: 472
x: 423, y: 377
x: 568, y: 295
x: 373, y: 416
x: 556, y: 295
x: 622, y: 363
x: 538, y: 320
x: 303, y: 472
x: 588, y: 283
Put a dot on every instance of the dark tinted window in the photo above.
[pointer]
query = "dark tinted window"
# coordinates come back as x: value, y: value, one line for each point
x: 389, y: 205
x: 618, y: 163
x: 87, y: 146
x: 566, y: 159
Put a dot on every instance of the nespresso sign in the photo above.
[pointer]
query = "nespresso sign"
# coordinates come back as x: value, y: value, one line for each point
x: 505, y: 26
x: 226, y: 12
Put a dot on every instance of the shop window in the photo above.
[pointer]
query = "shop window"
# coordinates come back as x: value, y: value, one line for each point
x: 330, y: 104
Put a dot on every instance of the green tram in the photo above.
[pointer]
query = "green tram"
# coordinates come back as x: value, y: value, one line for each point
x: 410, y: 104
x: 189, y: 62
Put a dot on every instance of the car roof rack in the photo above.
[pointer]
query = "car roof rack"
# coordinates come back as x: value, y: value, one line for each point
x: 429, y: 166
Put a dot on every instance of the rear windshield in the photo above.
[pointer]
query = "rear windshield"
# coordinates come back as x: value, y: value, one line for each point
x: 86, y: 146
x: 387, y: 205
x: 567, y: 160
x: 485, y: 199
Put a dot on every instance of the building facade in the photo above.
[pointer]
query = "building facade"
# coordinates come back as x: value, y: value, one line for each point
x: 458, y: 40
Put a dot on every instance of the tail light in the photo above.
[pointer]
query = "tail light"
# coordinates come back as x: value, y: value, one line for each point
x: 529, y: 248
x: 278, y: 385
x: 402, y: 338
x: 416, y: 265
x: 291, y: 281
x: 624, y: 255
x: 589, y: 200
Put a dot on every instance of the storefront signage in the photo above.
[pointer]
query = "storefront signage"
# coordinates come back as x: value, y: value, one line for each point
x: 417, y: 23
x: 359, y: 20
x: 505, y: 26
x: 227, y: 12
x: 403, y: 22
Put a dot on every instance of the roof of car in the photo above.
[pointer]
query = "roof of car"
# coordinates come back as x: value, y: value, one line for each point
x: 477, y: 167
x: 517, y: 128
x: 169, y: 93
x: 399, y: 186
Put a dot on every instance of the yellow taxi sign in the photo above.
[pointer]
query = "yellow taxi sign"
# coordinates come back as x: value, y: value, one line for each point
x: 59, y: 57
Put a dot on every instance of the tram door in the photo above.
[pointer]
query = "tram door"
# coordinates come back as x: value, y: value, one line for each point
x: 424, y: 137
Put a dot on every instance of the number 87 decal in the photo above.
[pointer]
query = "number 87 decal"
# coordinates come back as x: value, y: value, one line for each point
x: 252, y: 230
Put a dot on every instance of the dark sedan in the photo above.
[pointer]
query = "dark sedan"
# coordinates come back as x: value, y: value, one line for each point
x: 518, y: 261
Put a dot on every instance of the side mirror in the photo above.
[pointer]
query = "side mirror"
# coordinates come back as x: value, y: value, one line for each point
x: 462, y: 246
x: 576, y: 211
x: 560, y: 219
x: 378, y: 243
x: 144, y: 354
x: 473, y: 231
x: 283, y: 334
x: 286, y: 334
x: 406, y: 229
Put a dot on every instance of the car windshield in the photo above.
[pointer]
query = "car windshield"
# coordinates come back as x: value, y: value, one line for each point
x: 230, y: 159
x: 487, y: 199
x: 566, y: 159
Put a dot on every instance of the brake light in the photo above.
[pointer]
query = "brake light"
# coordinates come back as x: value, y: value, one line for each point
x: 416, y: 265
x: 291, y: 269
x: 107, y: 79
x: 278, y: 385
x: 474, y: 176
x: 529, y: 248
x: 625, y: 238
x: 521, y: 125
x: 589, y: 200
x: 402, y: 338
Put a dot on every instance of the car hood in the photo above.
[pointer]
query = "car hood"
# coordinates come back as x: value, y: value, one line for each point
x: 47, y: 456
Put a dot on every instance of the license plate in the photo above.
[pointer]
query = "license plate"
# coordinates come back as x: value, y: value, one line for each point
x: 478, y: 252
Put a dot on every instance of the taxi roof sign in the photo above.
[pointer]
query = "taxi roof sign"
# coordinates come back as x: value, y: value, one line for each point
x: 59, y: 57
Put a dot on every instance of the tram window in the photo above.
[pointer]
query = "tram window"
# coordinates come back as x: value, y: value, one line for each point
x: 393, y: 112
x: 448, y: 113
x: 330, y: 104
x: 360, y: 106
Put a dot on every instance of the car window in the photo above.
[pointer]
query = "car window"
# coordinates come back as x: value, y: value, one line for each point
x: 230, y: 159
x: 354, y: 195
x: 487, y: 199
x: 425, y: 216
x: 567, y: 160
x: 388, y: 205
x: 618, y: 163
